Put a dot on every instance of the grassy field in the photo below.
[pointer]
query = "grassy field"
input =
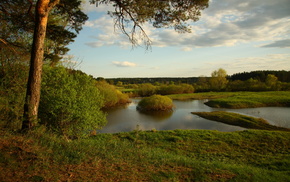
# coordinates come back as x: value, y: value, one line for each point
x: 236, y: 100
x: 178, y: 155
x: 239, y: 120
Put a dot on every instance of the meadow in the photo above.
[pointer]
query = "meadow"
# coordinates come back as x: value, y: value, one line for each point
x: 177, y: 155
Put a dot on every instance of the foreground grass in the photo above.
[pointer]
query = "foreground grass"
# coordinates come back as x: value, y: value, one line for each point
x: 237, y: 100
x: 239, y: 120
x: 179, y: 155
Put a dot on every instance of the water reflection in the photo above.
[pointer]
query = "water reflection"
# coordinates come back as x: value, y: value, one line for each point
x: 157, y: 116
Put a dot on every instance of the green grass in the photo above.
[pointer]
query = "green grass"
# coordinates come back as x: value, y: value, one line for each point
x: 199, y: 96
x: 236, y: 100
x: 239, y: 120
x: 178, y: 155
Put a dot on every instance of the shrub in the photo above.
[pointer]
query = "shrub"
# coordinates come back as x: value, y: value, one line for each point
x: 146, y: 89
x: 13, y: 79
x: 155, y: 103
x: 70, y: 103
x: 111, y: 95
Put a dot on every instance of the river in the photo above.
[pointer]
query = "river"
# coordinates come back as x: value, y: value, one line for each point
x: 127, y: 118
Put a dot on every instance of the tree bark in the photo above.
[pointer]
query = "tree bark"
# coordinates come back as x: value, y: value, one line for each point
x: 36, y: 61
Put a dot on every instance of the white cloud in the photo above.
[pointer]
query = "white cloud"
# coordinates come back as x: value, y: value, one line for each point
x: 224, y: 23
x: 124, y: 64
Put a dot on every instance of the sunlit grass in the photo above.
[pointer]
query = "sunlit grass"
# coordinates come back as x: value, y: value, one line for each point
x: 178, y: 155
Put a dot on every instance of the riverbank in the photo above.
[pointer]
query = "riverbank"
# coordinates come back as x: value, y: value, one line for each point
x: 176, y: 155
x: 236, y: 100
x: 239, y: 120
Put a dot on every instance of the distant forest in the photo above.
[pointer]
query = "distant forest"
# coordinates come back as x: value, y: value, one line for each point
x: 283, y: 76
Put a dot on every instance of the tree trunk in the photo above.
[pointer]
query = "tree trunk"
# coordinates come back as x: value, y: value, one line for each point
x: 36, y: 61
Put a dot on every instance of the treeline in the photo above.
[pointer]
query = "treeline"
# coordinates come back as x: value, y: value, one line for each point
x: 283, y: 76
x: 219, y: 81
x: 161, y: 80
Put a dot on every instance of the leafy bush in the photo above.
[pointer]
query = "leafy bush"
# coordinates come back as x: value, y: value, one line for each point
x: 146, y: 89
x: 155, y: 103
x: 111, y: 95
x: 70, y: 103
x: 13, y: 79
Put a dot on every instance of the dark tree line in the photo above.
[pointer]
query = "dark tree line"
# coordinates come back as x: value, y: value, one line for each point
x: 162, y: 80
x: 283, y: 76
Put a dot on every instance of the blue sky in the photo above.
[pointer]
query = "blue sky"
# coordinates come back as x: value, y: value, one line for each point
x: 234, y: 35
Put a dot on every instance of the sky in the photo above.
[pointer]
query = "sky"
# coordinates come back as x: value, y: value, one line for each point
x: 238, y: 36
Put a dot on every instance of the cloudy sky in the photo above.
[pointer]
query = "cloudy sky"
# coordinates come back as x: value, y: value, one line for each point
x: 234, y: 35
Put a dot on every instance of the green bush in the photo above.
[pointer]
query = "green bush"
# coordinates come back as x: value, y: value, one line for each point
x: 70, y: 103
x: 111, y: 95
x: 13, y: 79
x: 155, y: 103
x: 146, y: 89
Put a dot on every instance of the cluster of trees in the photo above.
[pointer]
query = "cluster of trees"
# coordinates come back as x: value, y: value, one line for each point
x: 37, y: 32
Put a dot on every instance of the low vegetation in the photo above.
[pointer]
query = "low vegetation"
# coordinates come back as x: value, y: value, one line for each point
x: 178, y: 155
x: 155, y: 103
x: 252, y: 99
x: 239, y: 120
x: 235, y: 100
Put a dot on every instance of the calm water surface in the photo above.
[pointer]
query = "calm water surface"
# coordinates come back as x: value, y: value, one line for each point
x: 127, y: 118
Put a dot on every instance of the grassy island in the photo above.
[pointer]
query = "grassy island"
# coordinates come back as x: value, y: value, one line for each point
x: 239, y: 120
x: 155, y: 103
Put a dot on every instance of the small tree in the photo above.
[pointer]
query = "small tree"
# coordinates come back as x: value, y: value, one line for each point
x: 218, y: 80
x: 271, y: 81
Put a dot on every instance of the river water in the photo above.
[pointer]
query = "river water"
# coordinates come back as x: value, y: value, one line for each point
x: 127, y: 118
